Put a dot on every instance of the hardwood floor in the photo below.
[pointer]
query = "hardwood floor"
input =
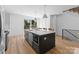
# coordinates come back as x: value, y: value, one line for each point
x: 17, y: 45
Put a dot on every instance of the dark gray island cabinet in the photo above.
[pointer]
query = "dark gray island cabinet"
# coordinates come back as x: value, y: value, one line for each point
x: 43, y: 41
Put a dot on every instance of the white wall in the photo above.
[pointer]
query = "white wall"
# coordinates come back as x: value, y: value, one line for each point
x: 67, y: 20
x: 53, y: 21
x: 43, y: 23
x: 38, y: 23
x: 7, y: 21
x: 16, y: 24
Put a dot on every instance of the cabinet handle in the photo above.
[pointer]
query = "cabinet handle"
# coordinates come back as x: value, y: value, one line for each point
x: 45, y: 38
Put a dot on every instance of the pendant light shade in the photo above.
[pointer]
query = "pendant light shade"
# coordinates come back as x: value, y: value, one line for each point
x: 45, y: 15
x: 35, y: 18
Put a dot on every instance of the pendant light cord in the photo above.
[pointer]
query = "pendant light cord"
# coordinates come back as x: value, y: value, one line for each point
x: 44, y: 9
x: 45, y: 16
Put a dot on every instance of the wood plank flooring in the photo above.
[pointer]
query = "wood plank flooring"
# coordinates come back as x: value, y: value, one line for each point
x: 18, y: 45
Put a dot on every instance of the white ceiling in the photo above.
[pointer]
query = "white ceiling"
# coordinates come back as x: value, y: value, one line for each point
x: 36, y: 10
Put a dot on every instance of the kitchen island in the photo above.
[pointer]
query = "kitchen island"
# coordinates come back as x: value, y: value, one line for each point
x: 40, y: 40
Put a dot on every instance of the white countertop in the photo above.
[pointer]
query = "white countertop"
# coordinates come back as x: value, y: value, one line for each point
x: 40, y: 32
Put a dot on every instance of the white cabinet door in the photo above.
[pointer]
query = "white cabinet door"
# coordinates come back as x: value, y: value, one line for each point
x: 30, y: 38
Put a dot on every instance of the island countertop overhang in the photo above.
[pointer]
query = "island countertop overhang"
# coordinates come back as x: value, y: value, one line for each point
x: 40, y: 32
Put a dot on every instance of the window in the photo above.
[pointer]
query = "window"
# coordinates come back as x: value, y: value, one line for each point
x: 30, y: 24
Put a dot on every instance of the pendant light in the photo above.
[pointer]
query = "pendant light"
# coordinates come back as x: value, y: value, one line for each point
x: 45, y: 16
x: 35, y: 14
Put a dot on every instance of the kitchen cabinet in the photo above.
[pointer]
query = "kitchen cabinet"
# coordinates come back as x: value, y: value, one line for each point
x: 40, y: 41
x: 28, y: 37
x: 43, y: 43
